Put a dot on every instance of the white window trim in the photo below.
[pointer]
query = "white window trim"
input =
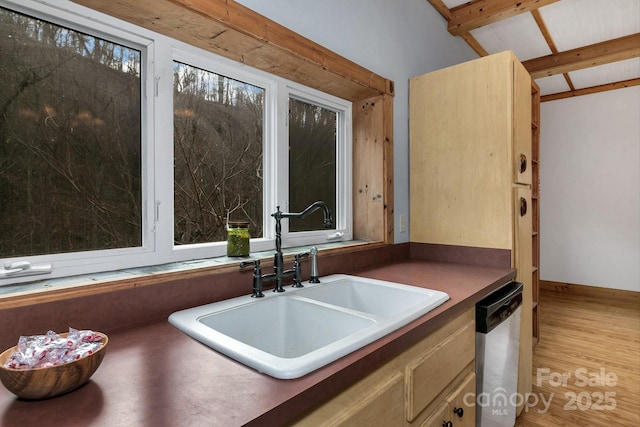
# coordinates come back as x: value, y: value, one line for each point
x: 342, y: 228
x: 158, y: 54
x: 85, y: 20
x: 196, y: 57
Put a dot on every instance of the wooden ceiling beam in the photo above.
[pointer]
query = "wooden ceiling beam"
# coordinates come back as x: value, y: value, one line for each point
x: 474, y: 14
x: 469, y: 16
x: 446, y: 13
x: 473, y: 43
x: 542, y: 26
x: 589, y: 90
x: 589, y: 56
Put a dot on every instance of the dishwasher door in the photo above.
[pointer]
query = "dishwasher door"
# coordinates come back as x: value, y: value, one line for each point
x: 497, y: 353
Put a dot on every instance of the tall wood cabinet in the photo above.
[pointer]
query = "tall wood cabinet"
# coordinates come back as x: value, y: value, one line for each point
x: 472, y: 169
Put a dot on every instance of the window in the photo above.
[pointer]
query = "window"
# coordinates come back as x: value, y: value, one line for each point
x: 123, y: 148
x: 218, y: 140
x: 70, y: 168
x: 312, y: 160
x: 319, y: 165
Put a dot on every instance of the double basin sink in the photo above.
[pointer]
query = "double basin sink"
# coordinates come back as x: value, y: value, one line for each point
x: 287, y: 335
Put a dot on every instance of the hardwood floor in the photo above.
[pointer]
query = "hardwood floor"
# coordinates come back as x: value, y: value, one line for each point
x: 586, y: 367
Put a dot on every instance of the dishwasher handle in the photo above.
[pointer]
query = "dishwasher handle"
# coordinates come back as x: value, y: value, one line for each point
x: 498, y: 306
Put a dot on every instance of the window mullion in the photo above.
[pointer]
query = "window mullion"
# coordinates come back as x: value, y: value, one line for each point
x: 280, y: 163
x: 160, y: 190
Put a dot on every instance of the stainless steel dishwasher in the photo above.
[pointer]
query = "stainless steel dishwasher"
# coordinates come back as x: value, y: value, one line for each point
x: 497, y: 353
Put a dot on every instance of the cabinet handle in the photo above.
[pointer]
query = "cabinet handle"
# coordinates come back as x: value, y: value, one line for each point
x: 458, y: 411
x: 447, y: 424
x: 523, y: 206
x: 523, y: 163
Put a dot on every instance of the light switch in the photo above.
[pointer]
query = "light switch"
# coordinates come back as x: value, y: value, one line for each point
x: 403, y: 223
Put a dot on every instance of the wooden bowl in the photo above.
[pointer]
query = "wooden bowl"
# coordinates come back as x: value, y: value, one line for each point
x: 42, y: 383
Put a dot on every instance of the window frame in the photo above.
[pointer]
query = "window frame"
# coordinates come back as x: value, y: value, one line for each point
x: 196, y: 57
x: 342, y: 223
x: 157, y: 55
x: 275, y: 155
x: 73, y: 263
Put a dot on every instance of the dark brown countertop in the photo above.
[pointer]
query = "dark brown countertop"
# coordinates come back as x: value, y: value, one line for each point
x: 154, y: 375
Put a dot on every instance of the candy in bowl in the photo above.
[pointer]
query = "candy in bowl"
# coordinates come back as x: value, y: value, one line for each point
x: 49, y: 365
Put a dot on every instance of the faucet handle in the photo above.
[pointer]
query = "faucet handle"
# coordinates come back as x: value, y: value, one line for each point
x: 257, y: 277
x: 255, y: 263
x: 297, y: 270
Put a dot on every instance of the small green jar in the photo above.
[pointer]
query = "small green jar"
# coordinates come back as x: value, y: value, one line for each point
x: 238, y: 238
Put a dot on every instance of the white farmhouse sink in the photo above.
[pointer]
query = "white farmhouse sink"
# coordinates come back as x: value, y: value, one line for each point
x: 287, y: 335
x: 372, y: 296
x: 285, y: 327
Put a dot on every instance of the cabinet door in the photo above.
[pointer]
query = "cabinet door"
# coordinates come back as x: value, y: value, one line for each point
x: 375, y: 401
x: 440, y: 418
x: 383, y: 407
x: 459, y: 409
x: 461, y: 403
x: 429, y: 375
x: 522, y: 161
x: 461, y: 172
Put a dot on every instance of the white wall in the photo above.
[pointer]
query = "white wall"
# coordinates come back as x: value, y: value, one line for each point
x: 395, y: 39
x: 590, y: 190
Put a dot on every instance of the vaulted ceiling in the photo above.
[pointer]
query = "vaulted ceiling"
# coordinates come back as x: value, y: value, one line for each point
x: 570, y: 47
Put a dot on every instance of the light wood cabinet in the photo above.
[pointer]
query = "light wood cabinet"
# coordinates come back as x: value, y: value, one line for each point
x: 459, y: 408
x: 461, y: 403
x: 439, y: 417
x: 378, y: 401
x: 472, y: 169
x: 438, y: 368
x: 426, y: 382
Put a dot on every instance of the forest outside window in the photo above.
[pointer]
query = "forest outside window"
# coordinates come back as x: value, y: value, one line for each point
x: 246, y: 143
x: 109, y: 162
x: 70, y: 152
x: 312, y: 160
x: 218, y: 155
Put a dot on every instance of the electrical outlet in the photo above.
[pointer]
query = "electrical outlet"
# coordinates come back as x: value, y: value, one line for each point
x: 403, y: 223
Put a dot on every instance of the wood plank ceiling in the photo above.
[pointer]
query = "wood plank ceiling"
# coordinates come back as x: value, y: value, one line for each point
x: 570, y: 47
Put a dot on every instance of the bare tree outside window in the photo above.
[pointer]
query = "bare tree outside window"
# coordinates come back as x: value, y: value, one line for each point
x: 218, y: 154
x: 312, y: 161
x: 70, y: 140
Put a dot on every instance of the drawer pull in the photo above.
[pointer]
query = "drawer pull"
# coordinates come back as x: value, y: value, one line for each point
x: 523, y: 163
x: 458, y: 411
x: 447, y: 424
x: 523, y: 206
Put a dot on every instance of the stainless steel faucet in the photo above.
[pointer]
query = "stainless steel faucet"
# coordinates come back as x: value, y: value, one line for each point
x: 278, y: 263
x: 279, y: 273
